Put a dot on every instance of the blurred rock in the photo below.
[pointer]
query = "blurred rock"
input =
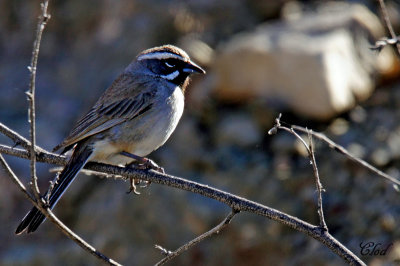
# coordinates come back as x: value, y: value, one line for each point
x: 299, y: 146
x: 358, y: 114
x: 393, y: 142
x: 199, y: 51
x: 339, y: 126
x: 380, y: 157
x: 318, y: 64
x: 238, y: 129
x: 356, y: 150
x: 283, y: 143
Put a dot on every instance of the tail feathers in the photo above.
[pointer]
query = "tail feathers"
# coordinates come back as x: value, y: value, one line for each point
x: 26, y: 222
x: 34, y: 218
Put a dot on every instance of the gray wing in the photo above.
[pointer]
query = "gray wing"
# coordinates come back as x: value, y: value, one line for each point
x: 105, y: 116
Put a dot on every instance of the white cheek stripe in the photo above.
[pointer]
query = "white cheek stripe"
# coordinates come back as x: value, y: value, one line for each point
x: 171, y: 76
x: 160, y: 55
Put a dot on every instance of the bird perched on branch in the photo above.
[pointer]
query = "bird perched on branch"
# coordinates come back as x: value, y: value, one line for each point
x: 134, y: 116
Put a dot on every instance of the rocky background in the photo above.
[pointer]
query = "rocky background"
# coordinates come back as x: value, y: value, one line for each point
x: 309, y: 60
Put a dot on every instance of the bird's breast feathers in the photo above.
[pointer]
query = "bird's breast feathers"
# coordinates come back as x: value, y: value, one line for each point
x: 146, y: 134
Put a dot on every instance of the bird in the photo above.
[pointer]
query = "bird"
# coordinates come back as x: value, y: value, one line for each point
x: 135, y: 115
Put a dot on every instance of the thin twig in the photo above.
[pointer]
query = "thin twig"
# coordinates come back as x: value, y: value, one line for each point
x: 15, y: 137
x: 172, y: 254
x: 42, y: 156
x: 15, y: 179
x: 49, y: 214
x: 345, y: 152
x: 43, y: 18
x: 317, y: 183
x: 385, y: 15
x: 233, y: 201
x: 380, y: 44
x: 311, y: 154
x: 36, y: 201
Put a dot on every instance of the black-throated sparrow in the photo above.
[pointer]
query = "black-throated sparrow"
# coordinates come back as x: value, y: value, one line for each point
x: 134, y: 116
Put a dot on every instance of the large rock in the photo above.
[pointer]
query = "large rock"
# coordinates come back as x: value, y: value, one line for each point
x: 317, y: 64
x: 238, y: 129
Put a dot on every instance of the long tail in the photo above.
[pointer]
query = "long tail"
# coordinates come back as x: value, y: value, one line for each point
x: 34, y: 218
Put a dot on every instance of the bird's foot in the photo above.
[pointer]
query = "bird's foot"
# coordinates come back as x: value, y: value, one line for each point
x: 143, y: 162
x: 134, y: 183
x: 150, y: 164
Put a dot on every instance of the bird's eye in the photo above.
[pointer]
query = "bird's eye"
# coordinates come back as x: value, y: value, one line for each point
x: 170, y: 65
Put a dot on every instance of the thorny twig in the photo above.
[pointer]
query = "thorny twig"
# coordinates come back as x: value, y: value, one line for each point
x: 311, y: 154
x: 172, y: 254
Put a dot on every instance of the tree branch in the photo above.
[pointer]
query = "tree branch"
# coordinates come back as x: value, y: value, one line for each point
x: 380, y: 44
x: 172, y: 254
x: 15, y: 179
x: 15, y: 137
x: 233, y: 201
x: 394, y: 40
x: 389, y: 26
x: 43, y: 18
x: 318, y: 184
x: 311, y: 154
x: 345, y: 152
x: 32, y: 151
x: 49, y: 215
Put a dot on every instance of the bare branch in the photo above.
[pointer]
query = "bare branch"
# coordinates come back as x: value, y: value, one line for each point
x: 380, y: 44
x: 49, y: 215
x: 172, y: 254
x: 317, y: 183
x: 31, y: 147
x: 15, y: 179
x: 385, y: 15
x: 345, y: 152
x: 336, y: 147
x: 42, y: 156
x: 311, y: 154
x: 233, y: 201
x: 43, y: 18
x: 15, y: 137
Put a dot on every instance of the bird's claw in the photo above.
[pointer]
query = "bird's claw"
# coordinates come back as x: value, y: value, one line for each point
x: 143, y: 164
x: 134, y: 185
x: 150, y: 164
x: 133, y: 182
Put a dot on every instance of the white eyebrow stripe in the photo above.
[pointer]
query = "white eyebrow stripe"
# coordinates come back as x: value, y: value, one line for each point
x: 171, y: 76
x: 160, y: 55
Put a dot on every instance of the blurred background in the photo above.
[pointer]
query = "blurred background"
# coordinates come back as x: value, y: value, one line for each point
x: 309, y: 60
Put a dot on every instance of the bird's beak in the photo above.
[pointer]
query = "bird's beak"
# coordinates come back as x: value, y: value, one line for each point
x: 191, y: 67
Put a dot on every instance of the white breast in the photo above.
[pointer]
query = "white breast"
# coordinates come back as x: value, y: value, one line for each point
x: 177, y: 102
x: 154, y: 129
x: 165, y: 122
